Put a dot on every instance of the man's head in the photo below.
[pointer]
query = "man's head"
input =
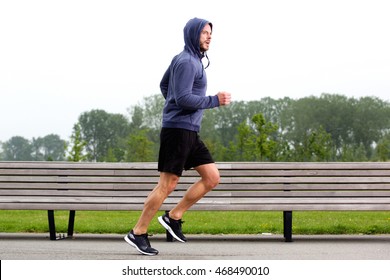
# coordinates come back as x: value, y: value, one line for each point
x: 205, y: 38
x: 197, y: 36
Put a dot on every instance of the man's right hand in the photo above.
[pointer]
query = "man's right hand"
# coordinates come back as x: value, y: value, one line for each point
x: 224, y: 98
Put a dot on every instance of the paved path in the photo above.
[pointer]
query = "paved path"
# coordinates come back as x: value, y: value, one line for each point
x: 199, y: 247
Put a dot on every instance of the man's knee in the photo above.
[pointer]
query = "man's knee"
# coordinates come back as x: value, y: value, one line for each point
x: 167, y: 183
x: 210, y: 175
x: 212, y: 181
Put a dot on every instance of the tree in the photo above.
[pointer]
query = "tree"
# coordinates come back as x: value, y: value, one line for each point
x: 220, y: 124
x: 317, y: 146
x: 245, y: 148
x: 17, y: 149
x: 265, y: 145
x: 137, y: 115
x: 49, y: 148
x: 102, y: 131
x: 36, y: 146
x: 255, y: 142
x: 1, y: 151
x: 383, y: 148
x: 76, y: 152
x: 139, y: 147
x: 148, y: 115
x: 370, y: 122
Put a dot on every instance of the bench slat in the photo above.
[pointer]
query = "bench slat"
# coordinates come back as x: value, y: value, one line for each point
x: 206, y: 207
x: 216, y: 200
x: 190, y: 180
x: 224, y: 173
x: 236, y: 194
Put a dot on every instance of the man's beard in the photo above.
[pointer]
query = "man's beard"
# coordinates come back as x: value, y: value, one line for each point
x: 202, y: 49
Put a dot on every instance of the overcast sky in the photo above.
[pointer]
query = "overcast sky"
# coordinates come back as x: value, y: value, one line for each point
x: 59, y: 59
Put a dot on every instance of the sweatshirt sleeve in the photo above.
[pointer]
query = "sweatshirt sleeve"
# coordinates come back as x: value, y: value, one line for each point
x: 185, y: 95
x: 164, y: 83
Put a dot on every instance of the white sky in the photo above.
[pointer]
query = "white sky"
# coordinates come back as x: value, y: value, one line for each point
x: 59, y: 59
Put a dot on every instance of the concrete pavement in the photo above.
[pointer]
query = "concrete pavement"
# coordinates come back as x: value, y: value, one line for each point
x: 29, y: 246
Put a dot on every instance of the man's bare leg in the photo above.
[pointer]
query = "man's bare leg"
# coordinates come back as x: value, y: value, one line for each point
x: 167, y: 183
x: 209, y: 179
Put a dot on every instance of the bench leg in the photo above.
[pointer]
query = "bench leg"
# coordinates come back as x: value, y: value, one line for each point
x: 52, y: 225
x: 72, y: 214
x: 287, y: 225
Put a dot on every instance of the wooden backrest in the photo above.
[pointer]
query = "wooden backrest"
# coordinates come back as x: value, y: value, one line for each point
x: 244, y: 186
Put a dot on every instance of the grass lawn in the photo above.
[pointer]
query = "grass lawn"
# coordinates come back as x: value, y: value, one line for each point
x: 197, y: 222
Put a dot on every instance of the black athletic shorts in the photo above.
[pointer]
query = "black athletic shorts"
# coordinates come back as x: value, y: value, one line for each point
x: 181, y: 149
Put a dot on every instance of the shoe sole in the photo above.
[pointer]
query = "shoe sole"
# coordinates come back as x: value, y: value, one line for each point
x: 127, y: 239
x: 168, y: 228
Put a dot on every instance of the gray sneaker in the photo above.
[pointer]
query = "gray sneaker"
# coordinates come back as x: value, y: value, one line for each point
x: 141, y: 243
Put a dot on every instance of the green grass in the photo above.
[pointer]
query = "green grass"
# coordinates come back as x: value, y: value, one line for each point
x: 197, y: 222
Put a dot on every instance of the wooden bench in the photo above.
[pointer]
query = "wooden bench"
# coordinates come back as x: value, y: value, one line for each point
x: 254, y: 186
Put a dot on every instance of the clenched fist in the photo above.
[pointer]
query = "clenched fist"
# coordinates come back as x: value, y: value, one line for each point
x: 224, y: 98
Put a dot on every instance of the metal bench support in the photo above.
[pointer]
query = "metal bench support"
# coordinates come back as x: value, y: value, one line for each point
x: 287, y: 225
x: 52, y: 225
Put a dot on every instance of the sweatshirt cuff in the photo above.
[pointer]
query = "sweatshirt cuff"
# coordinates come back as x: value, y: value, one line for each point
x: 215, y: 101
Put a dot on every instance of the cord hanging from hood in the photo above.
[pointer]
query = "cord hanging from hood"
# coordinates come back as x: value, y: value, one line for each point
x: 208, y: 60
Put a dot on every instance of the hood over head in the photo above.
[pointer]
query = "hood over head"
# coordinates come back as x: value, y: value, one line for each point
x: 192, y: 32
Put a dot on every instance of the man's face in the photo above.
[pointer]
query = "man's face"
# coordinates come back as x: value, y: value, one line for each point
x: 205, y: 38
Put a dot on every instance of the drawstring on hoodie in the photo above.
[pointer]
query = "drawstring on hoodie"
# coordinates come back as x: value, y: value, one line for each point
x: 208, y: 60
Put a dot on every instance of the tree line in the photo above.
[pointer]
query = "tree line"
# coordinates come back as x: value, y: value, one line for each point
x: 331, y: 127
